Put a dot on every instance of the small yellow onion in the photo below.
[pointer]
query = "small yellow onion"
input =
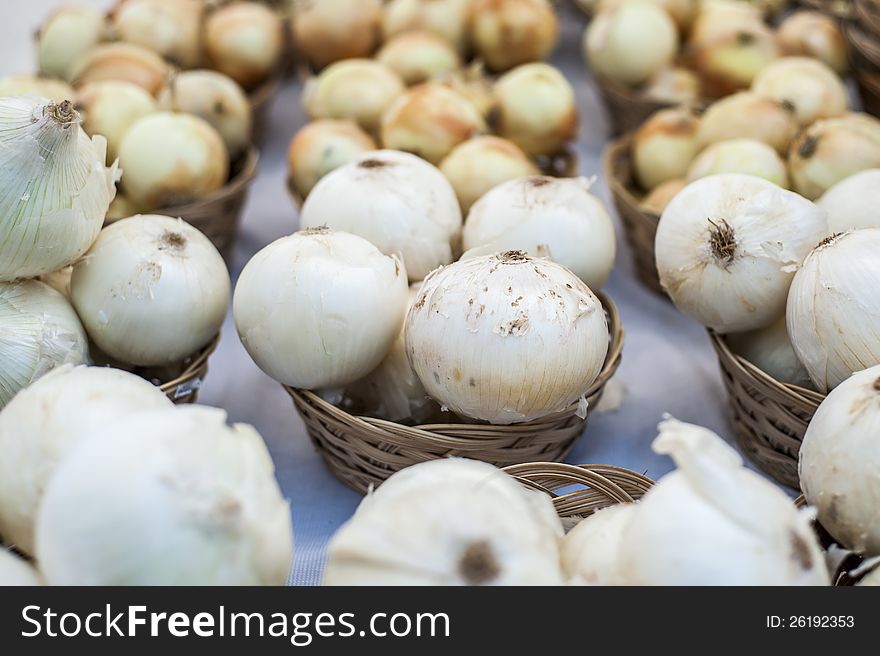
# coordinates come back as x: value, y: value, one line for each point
x: 479, y: 164
x: 110, y: 108
x: 682, y: 12
x: 66, y: 35
x: 660, y: 196
x: 169, y: 27
x: 674, y: 85
x: 125, y: 62
x: 631, y: 42
x: 732, y: 61
x: 419, y: 56
x: 718, y: 18
x: 244, y: 40
x: 507, y: 33
x: 171, y: 159
x: 356, y: 89
x: 320, y: 147
x: 33, y: 85
x: 448, y: 18
x: 747, y: 115
x: 429, y: 121
x: 218, y: 99
x: 831, y: 150
x: 813, y: 34
x: 664, y: 147
x: 814, y: 90
x: 536, y: 109
x: 326, y: 31
x: 747, y: 156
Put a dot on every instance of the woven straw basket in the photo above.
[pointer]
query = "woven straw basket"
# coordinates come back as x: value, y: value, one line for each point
x: 627, y: 109
x: 769, y: 417
x: 364, y: 451
x: 867, y: 14
x: 839, y: 9
x: 863, y: 36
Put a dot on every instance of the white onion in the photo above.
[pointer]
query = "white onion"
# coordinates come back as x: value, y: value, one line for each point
x: 770, y: 350
x: 33, y: 85
x: 513, y: 32
x: 152, y: 290
x: 47, y: 422
x: 552, y: 217
x: 67, y: 34
x: 664, y: 146
x: 166, y: 497
x: 110, y: 108
x: 419, y: 56
x: 346, y: 298
x: 814, y: 34
x: 681, y: 11
x: 747, y: 115
x: 590, y: 550
x: 732, y: 61
x: 674, y: 85
x: 169, y: 27
x: 448, y: 18
x: 244, y: 40
x: 832, y: 307
x: 814, y: 90
x: 326, y: 31
x: 124, y: 62
x: 661, y: 195
x: 727, y: 248
x: 506, y: 338
x: 852, y: 203
x: 395, y: 200
x: 15, y: 571
x: 740, y: 156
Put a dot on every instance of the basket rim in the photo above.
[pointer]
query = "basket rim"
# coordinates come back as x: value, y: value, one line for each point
x: 864, y: 43
x: 613, y: 152
x: 194, y: 367
x: 245, y: 176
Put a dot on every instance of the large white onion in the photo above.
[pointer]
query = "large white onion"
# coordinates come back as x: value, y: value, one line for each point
x: 506, y: 338
x: 15, y: 571
x: 852, y: 203
x: 110, y: 108
x: 513, y: 32
x: 47, y: 422
x: 814, y: 34
x: 244, y: 40
x: 346, y: 298
x: 727, y: 248
x: 151, y: 291
x: 121, y: 61
x: 809, y: 86
x: 448, y: 18
x: 169, y: 27
x: 167, y: 497
x: 419, y: 56
x: 34, y: 85
x: 395, y: 200
x: 326, y: 31
x: 748, y: 156
x: 665, y: 145
x: 770, y: 350
x: 747, y: 115
x: 67, y: 34
x: 590, y: 550
x: 547, y: 217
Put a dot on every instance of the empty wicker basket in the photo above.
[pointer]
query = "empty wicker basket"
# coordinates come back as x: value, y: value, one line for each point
x: 364, y: 451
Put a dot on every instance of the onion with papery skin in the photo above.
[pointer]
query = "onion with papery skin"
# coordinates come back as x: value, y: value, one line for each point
x: 448, y: 18
x: 839, y: 460
x: 33, y: 85
x: 47, y: 422
x: 55, y: 187
x: 479, y: 164
x: 547, y: 217
x: 429, y: 121
x: 244, y: 40
x: 852, y: 203
x: 590, y: 550
x: 661, y: 195
x: 664, y: 146
x: 809, y: 86
x: 630, y: 43
x: 813, y: 34
x: 320, y: 147
x: 360, y: 90
x: 740, y: 156
x: 832, y: 150
x: 832, y: 307
x: 171, y: 28
x: 771, y: 351
x: 473, y: 83
x: 507, y: 33
x: 506, y: 338
x: 747, y: 115
x: 66, y: 35
x: 419, y: 56
x: 681, y: 11
x: 326, y: 31
x: 535, y: 108
x: 40, y: 331
x: 15, y: 571
x: 206, y: 488
x: 171, y: 159
x: 125, y: 62
x: 151, y: 291
x: 732, y: 61
x: 719, y: 18
x: 395, y: 200
x: 347, y: 299
x: 673, y: 85
x: 218, y: 99
x: 727, y: 248
x: 110, y: 108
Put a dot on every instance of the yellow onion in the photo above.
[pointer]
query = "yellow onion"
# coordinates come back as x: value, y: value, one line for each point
x: 419, y: 56
x: 674, y: 85
x: 320, y: 147
x: 747, y: 156
x: 831, y: 150
x: 326, y: 31
x: 169, y: 27
x: 814, y: 90
x: 124, y: 62
x: 813, y: 34
x: 681, y: 11
x: 664, y: 147
x: 448, y: 18
x: 659, y: 197
x: 244, y: 40
x: 110, y: 108
x: 170, y: 159
x: 473, y: 84
x: 356, y: 89
x: 535, y: 108
x: 479, y: 164
x: 506, y: 33
x: 747, y: 115
x: 66, y: 35
x: 718, y: 18
x: 429, y: 121
x: 33, y: 85
x: 730, y: 62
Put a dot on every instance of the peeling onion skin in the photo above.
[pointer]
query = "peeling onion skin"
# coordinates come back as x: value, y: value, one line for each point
x: 171, y: 28
x: 15, y: 571
x: 832, y: 316
x: 327, y: 31
x: 770, y: 350
x: 590, y: 550
x: 814, y: 34
x: 839, y: 462
x: 67, y: 34
x: 747, y: 156
x: 419, y: 56
x: 664, y: 146
x: 814, y: 90
x: 747, y: 115
x: 851, y: 203
x: 332, y: 284
x: 734, y: 276
x: 448, y: 18
x: 507, y: 33
x: 126, y: 62
x: 480, y: 323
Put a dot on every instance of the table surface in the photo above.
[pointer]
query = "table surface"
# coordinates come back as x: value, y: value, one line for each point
x: 668, y: 364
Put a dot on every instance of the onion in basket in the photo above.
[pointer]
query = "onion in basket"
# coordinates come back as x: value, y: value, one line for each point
x: 25, y: 84
x: 747, y: 156
x: 674, y: 85
x: 67, y: 34
x: 326, y: 31
x: 770, y: 350
x: 728, y: 245
x: 747, y: 115
x: 513, y: 32
x: 814, y: 34
x: 448, y: 18
x: 110, y: 108
x: 852, y: 203
x: 172, y: 28
x: 15, y: 571
x: 121, y: 61
x: 807, y: 85
x: 661, y: 195
x: 731, y: 61
x: 590, y: 550
x: 506, y: 338
x: 419, y: 56
x: 665, y: 145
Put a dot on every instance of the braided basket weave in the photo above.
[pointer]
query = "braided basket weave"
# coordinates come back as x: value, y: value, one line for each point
x: 185, y: 387
x: 364, y: 451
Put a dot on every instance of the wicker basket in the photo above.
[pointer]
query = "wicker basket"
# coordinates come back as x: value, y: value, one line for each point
x: 867, y: 14
x: 838, y: 9
x: 184, y: 388
x: 864, y: 49
x: 364, y: 451
x: 639, y: 224
x: 769, y: 417
x: 218, y: 215
x: 627, y: 109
